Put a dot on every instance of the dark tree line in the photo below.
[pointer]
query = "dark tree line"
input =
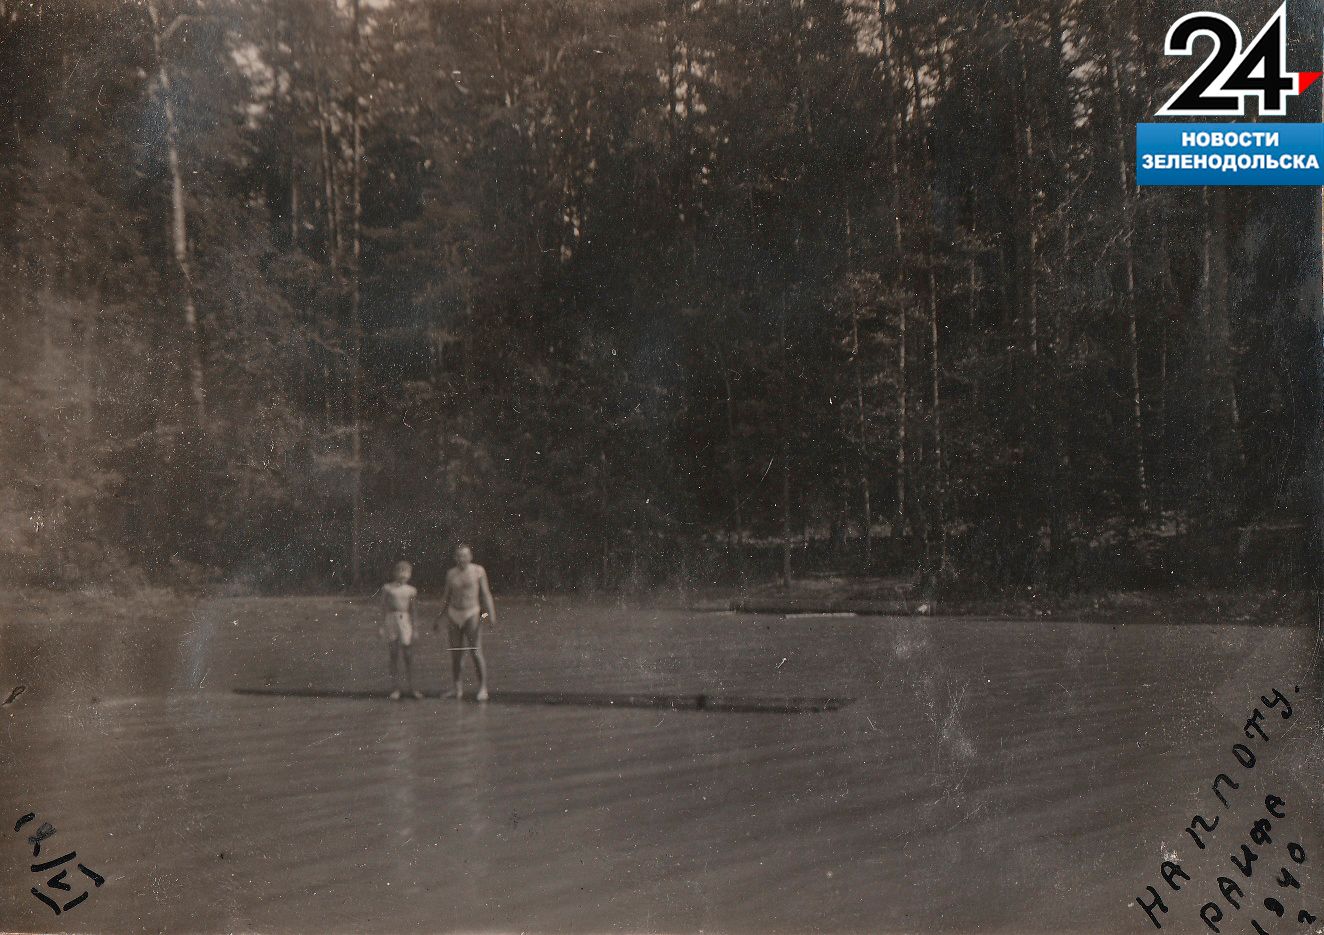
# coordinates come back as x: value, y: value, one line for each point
x: 632, y: 291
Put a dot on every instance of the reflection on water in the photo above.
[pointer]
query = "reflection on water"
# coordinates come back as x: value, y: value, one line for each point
x: 399, y: 744
x: 984, y: 768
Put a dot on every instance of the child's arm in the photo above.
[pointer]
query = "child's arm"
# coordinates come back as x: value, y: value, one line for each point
x: 485, y: 597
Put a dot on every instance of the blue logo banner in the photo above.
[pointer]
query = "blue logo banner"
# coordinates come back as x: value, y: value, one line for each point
x: 1229, y: 154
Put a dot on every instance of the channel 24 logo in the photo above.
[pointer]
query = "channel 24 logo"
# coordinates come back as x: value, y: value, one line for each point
x: 1231, y: 74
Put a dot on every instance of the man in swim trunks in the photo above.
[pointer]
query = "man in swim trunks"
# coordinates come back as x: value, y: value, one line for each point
x: 466, y: 600
x: 398, y: 600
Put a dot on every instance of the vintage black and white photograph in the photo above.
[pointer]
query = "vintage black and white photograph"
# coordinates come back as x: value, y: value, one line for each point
x: 657, y: 466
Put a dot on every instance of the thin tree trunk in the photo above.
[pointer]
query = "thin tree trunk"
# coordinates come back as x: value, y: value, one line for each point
x: 1058, y: 457
x: 862, y: 428
x: 935, y: 362
x: 671, y: 86
x: 972, y: 307
x: 1225, y: 369
x: 294, y: 200
x: 1039, y: 436
x: 330, y: 188
x: 973, y: 314
x: 356, y: 324
x: 785, y: 446
x: 1217, y: 367
x: 861, y: 421
x: 605, y: 535
x: 737, y: 535
x: 935, y: 366
x: 786, y: 509
x: 1206, y: 314
x: 331, y: 197
x: 1167, y: 290
x: 894, y: 124
x: 1027, y: 174
x: 328, y: 417
x: 902, y: 387
x: 1129, y: 296
x: 179, y: 232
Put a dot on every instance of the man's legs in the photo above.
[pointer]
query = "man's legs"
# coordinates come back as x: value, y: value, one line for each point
x: 474, y: 640
x: 456, y: 636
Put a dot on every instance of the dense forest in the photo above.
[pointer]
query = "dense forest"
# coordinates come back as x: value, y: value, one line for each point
x: 635, y: 292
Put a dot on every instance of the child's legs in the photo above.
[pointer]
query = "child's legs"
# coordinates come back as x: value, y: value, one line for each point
x: 394, y: 648
x: 407, y: 654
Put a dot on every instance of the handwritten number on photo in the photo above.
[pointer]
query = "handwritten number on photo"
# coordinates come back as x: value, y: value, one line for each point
x: 56, y: 882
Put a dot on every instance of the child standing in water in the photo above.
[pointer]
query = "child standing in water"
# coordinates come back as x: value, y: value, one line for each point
x: 399, y: 598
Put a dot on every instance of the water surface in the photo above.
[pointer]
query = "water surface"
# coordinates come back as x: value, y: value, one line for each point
x: 991, y: 776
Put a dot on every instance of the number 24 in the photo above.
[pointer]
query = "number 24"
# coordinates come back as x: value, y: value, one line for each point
x: 1229, y: 74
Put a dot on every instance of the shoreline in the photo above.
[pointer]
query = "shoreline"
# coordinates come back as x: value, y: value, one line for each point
x: 1263, y: 606
x: 822, y: 596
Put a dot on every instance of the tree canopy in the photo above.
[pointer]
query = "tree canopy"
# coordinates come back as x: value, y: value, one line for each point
x: 624, y: 292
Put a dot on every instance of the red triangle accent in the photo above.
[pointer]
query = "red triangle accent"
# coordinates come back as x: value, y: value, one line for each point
x: 1305, y: 79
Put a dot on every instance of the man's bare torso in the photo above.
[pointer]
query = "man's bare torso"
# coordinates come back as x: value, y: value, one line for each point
x: 462, y: 588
